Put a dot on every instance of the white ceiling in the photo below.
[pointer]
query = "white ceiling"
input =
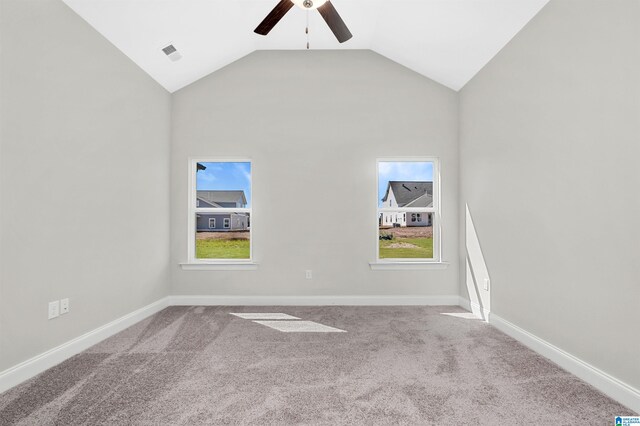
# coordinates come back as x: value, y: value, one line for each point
x: 448, y: 41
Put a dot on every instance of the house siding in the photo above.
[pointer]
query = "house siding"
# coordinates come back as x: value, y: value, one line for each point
x: 390, y: 202
x: 405, y: 219
x: 391, y: 218
x: 237, y: 222
x: 229, y: 204
x: 425, y: 219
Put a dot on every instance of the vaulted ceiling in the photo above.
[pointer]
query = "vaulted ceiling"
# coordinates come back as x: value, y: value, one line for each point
x: 448, y: 41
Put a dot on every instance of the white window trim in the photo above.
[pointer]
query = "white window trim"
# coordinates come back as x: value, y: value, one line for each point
x: 219, y: 266
x: 214, y: 222
x: 226, y: 223
x: 214, y: 264
x: 404, y: 266
x: 420, y: 263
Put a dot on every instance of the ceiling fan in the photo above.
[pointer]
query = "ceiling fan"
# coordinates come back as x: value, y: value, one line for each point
x: 326, y: 9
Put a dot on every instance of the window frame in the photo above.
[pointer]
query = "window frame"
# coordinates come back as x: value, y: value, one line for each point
x: 192, y: 210
x: 436, y: 220
x: 214, y: 222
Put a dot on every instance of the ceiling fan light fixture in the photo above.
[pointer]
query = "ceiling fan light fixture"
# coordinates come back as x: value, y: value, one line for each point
x: 309, y: 4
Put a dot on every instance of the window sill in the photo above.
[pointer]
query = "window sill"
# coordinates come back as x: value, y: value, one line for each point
x: 229, y: 266
x: 407, y: 266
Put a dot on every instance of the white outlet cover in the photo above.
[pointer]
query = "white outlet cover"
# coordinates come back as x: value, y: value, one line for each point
x: 54, y: 309
x: 64, y: 306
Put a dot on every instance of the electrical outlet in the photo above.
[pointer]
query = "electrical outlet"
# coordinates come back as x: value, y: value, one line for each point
x: 64, y: 306
x: 54, y: 309
x: 308, y: 274
x: 486, y: 284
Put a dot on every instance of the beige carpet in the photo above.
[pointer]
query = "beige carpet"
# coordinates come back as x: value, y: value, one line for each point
x: 394, y: 365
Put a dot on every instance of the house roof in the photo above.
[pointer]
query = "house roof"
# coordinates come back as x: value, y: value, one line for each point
x: 411, y: 193
x: 208, y: 203
x: 217, y: 197
x: 425, y: 200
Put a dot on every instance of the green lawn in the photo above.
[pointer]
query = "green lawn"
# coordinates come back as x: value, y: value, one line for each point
x: 240, y: 249
x: 424, y: 249
x: 222, y: 249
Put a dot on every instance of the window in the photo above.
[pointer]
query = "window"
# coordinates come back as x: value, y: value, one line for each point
x: 220, y: 194
x: 408, y: 210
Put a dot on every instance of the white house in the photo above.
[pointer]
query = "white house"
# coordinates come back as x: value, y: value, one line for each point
x: 407, y: 194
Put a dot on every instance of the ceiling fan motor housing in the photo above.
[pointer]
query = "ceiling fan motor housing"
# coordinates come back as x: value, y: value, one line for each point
x: 308, y: 4
x: 324, y: 7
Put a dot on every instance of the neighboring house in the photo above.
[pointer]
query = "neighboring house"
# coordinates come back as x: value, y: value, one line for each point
x: 221, y: 221
x: 407, y: 194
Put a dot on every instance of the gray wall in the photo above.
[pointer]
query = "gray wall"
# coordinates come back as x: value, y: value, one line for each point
x: 86, y: 134
x: 314, y: 123
x: 549, y: 138
x: 550, y: 142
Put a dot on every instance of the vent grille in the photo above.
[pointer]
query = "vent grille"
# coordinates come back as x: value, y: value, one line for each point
x: 169, y: 50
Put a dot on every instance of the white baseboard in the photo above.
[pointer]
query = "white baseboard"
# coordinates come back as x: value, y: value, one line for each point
x: 464, y: 304
x: 36, y: 365
x: 483, y: 312
x: 480, y: 311
x: 609, y: 385
x: 313, y: 300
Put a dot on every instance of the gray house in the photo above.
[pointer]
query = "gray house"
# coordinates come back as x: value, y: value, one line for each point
x: 215, y: 222
x: 407, y: 194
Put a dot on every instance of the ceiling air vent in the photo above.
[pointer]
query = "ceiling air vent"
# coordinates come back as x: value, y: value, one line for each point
x: 172, y: 52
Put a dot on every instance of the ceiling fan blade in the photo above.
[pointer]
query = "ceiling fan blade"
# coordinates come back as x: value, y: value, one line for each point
x: 273, y: 17
x: 335, y: 22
